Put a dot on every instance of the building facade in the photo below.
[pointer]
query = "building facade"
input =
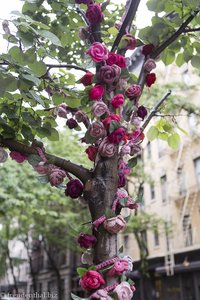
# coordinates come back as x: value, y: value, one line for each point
x: 173, y: 194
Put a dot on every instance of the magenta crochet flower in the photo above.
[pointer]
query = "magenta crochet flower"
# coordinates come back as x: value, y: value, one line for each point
x: 92, y: 280
x: 115, y: 224
x: 133, y: 91
x: 117, y: 136
x: 117, y: 101
x: 57, y: 176
x: 98, y: 52
x: 124, y: 291
x: 94, y: 14
x: 109, y: 74
x: 86, y: 240
x: 18, y: 157
x: 74, y: 188
x: 97, y: 130
x: 96, y: 92
x: 99, y: 108
x: 107, y: 149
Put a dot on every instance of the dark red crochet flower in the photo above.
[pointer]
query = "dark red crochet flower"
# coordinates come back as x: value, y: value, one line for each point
x: 86, y: 240
x: 74, y: 188
x: 150, y: 79
x: 147, y: 49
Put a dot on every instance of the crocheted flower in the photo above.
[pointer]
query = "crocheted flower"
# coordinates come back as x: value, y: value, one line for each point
x: 115, y: 224
x: 3, y: 155
x: 97, y: 130
x: 109, y: 119
x: 94, y: 14
x: 124, y: 291
x: 80, y: 116
x: 133, y: 91
x: 121, y: 180
x: 117, y: 136
x: 99, y: 108
x: 71, y: 123
x: 62, y: 110
x: 117, y: 101
x: 57, y: 176
x: 150, y: 79
x: 42, y: 168
x: 130, y: 41
x: 18, y: 157
x: 98, y: 52
x: 149, y: 65
x: 96, y: 92
x: 92, y: 280
x: 107, y: 149
x: 116, y: 59
x: 147, y: 49
x: 74, y: 188
x: 125, y: 150
x: 100, y: 295
x: 91, y: 152
x: 119, y: 267
x: 86, y: 240
x: 142, y: 112
x: 87, y: 78
x: 109, y: 74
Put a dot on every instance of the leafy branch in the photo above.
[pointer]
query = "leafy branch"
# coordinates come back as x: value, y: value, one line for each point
x: 79, y: 171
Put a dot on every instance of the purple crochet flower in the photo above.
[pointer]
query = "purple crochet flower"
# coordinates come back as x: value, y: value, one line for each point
x: 74, y: 188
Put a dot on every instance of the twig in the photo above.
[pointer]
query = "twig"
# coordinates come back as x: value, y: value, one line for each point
x: 155, y: 110
x: 51, y: 66
x: 79, y: 171
x: 128, y: 19
x: 191, y: 29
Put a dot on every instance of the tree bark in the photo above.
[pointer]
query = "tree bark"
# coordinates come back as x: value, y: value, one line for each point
x: 100, y: 192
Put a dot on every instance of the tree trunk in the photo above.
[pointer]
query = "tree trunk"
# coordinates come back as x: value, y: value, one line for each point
x: 32, y: 272
x: 12, y: 270
x: 100, y: 192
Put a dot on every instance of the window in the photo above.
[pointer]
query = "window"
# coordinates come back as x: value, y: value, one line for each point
x: 156, y: 237
x: 192, y: 120
x: 149, y: 150
x: 197, y: 168
x: 187, y: 230
x: 163, y: 181
x: 152, y: 189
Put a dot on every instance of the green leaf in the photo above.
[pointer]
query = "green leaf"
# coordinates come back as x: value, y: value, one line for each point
x: 113, y: 126
x: 109, y: 213
x: 152, y: 133
x: 163, y: 136
x: 39, y: 68
x: 17, y: 55
x: 123, y: 201
x: 37, y: 98
x: 72, y: 102
x: 132, y: 162
x: 112, y: 30
x: 195, y: 61
x: 174, y: 141
x: 54, y: 136
x: 58, y: 98
x: 43, y: 179
x: 168, y: 57
x: 34, y: 159
x: 74, y: 297
x: 121, y: 249
x: 81, y: 271
x: 50, y: 36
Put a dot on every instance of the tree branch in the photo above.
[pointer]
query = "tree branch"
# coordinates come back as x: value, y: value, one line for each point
x: 51, y: 66
x: 128, y: 19
x: 191, y: 29
x: 155, y: 110
x: 174, y: 36
x: 79, y: 171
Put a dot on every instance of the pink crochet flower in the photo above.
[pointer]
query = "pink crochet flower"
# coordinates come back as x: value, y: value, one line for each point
x: 149, y: 65
x: 133, y: 91
x: 97, y: 130
x: 18, y: 157
x: 98, y: 52
x: 115, y: 224
x: 41, y: 168
x: 92, y: 280
x: 124, y: 291
x: 119, y: 267
x: 57, y: 176
x: 100, y: 295
x: 99, y: 108
x: 107, y: 149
